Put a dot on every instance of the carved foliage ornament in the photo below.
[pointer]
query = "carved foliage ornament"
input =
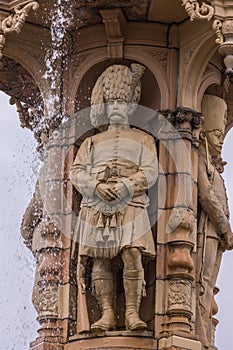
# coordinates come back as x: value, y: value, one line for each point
x: 195, y: 11
x: 48, y: 303
x: 15, y: 21
x: 180, y: 293
x: 222, y: 26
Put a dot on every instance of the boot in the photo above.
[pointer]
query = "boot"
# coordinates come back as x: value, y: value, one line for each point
x: 105, y: 295
x: 134, y: 287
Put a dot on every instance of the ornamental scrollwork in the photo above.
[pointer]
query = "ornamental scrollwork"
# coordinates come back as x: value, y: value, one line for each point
x: 195, y: 11
x: 217, y: 27
x: 15, y: 21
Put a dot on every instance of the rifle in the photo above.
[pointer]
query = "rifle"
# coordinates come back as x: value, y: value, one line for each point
x: 83, y: 324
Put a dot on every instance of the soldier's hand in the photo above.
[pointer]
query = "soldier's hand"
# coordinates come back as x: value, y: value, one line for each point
x: 106, y: 192
x: 121, y: 190
x: 228, y: 240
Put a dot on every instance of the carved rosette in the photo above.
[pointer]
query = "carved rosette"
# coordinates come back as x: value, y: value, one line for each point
x: 15, y: 21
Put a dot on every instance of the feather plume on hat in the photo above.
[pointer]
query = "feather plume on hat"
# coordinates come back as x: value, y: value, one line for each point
x: 116, y: 82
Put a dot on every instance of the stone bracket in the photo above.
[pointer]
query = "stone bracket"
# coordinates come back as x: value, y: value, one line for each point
x: 115, y: 23
x: 14, y: 21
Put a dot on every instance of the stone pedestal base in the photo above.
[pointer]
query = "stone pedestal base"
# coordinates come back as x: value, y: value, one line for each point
x: 178, y: 343
x: 116, y: 341
x: 124, y: 340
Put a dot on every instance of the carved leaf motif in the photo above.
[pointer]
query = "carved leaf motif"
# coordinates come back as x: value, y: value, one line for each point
x: 161, y: 56
x: 188, y: 55
x: 48, y: 299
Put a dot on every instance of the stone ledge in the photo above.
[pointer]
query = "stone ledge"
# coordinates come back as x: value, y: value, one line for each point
x: 174, y: 342
x: 133, y: 342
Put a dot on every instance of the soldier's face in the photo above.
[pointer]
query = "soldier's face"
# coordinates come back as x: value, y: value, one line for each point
x: 215, y: 142
x: 117, y: 111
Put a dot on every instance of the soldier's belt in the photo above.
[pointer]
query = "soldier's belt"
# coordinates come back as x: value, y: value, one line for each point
x: 110, y: 172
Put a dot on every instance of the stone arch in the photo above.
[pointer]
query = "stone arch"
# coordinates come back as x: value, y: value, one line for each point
x: 188, y: 95
x: 32, y: 66
x: 156, y: 69
x: 78, y: 72
x: 212, y: 78
x: 131, y: 54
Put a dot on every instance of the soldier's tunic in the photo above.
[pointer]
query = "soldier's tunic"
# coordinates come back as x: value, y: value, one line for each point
x: 213, y: 199
x: 104, y: 228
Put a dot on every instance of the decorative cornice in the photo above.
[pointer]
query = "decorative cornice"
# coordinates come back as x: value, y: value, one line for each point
x: 14, y: 22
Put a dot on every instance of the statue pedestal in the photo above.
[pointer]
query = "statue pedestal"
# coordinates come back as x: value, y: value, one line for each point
x: 126, y: 340
x: 123, y: 340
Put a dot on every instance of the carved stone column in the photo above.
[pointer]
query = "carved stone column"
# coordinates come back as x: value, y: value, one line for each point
x: 54, y: 292
x: 177, y: 229
x: 226, y: 47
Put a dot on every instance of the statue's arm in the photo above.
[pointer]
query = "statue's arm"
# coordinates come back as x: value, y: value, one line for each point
x: 209, y: 200
x: 80, y: 175
x: 147, y: 175
x: 32, y: 217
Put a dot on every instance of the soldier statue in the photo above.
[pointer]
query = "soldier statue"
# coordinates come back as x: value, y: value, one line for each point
x: 113, y: 171
x: 215, y: 233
